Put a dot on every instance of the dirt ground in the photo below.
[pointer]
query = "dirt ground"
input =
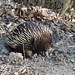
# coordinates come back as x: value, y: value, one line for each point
x: 61, y: 61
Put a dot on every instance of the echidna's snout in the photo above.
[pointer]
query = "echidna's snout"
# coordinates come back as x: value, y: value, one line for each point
x: 28, y: 53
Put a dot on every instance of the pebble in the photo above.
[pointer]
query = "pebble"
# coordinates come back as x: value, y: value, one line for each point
x: 15, y: 56
x: 73, y: 28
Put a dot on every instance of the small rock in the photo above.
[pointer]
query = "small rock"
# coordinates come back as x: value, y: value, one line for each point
x: 73, y: 20
x: 73, y: 14
x: 15, y: 56
x: 63, y: 27
x: 73, y: 28
x: 72, y: 60
x: 73, y: 38
x: 4, y: 51
x: 73, y: 68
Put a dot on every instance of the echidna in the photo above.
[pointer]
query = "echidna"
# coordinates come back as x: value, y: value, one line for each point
x: 30, y: 36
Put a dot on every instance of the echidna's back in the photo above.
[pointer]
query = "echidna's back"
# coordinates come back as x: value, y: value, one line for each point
x: 34, y: 36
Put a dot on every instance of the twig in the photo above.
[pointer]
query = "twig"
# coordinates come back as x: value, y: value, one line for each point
x: 40, y: 64
x: 71, y: 46
x: 23, y: 51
